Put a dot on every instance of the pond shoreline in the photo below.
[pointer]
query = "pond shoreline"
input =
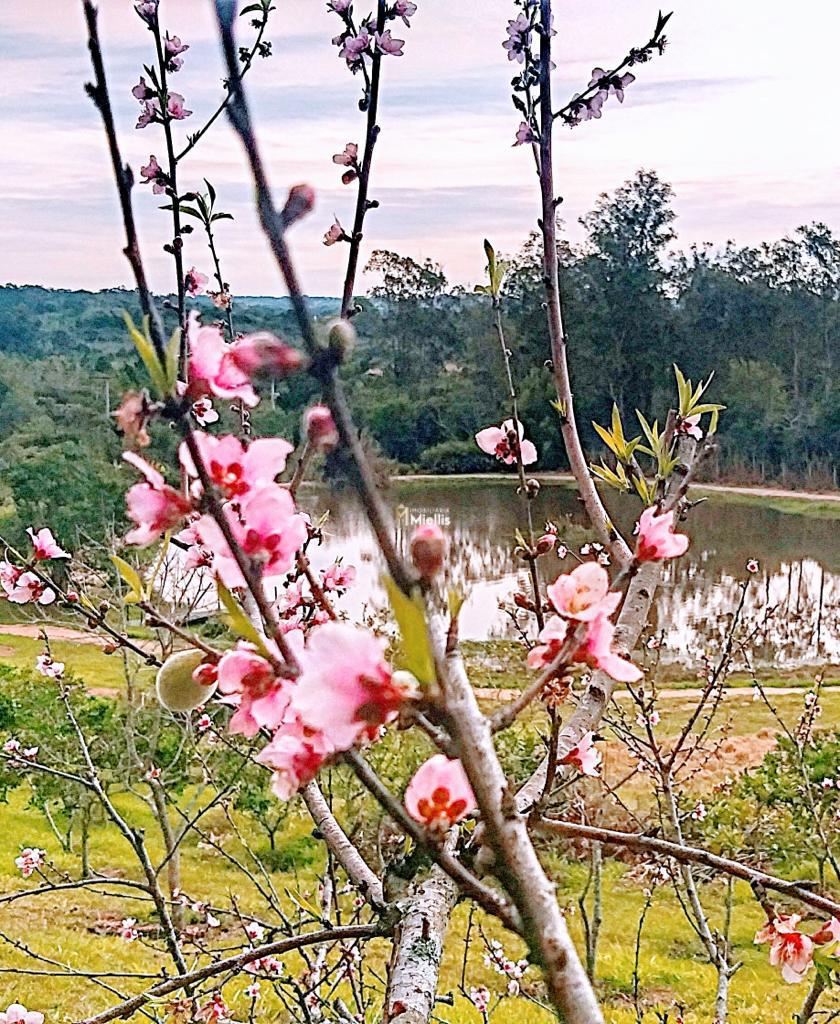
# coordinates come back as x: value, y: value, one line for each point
x: 552, y: 477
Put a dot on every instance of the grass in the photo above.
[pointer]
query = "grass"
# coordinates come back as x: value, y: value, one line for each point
x: 87, y: 662
x: 67, y: 927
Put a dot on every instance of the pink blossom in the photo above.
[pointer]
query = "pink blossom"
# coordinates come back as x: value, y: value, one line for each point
x: 689, y: 425
x: 154, y: 175
x: 234, y: 469
x: 212, y: 367
x: 128, y: 931
x: 346, y: 690
x: 263, y: 352
x: 147, y: 9
x: 595, y: 650
x: 524, y: 134
x: 338, y: 577
x: 173, y: 48
x: 204, y: 412
x: 296, y: 753
x: 584, y: 593
x: 150, y: 112
x: 214, y: 1011
x: 439, y: 793
x: 175, y: 107
x: 349, y: 157
x: 9, y: 575
x: 30, y: 860
x: 789, y: 949
x: 339, y: 6
x: 319, y: 428
x: 585, y: 756
x: 503, y: 441
x: 30, y: 587
x: 18, y: 1014
x: 480, y: 998
x: 142, y: 91
x: 203, y: 722
x: 752, y: 565
x: 268, y: 529
x: 44, y: 545
x: 657, y: 539
x: 47, y: 667
x: 519, y: 38
x: 261, y: 697
x: 195, y: 282
x: 153, y: 505
x: 386, y: 44
x: 354, y: 47
x: 611, y: 84
x: 405, y: 9
x: 429, y: 546
x: 335, y: 234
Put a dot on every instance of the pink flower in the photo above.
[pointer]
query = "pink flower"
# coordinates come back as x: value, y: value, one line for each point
x: 173, y: 48
x: 519, y: 38
x: 263, y: 352
x: 175, y: 107
x: 405, y: 9
x: 29, y: 861
x: 204, y: 412
x: 47, y: 667
x: 268, y: 529
x: 128, y: 930
x: 584, y: 593
x: 524, y: 134
x: 429, y: 546
x: 585, y: 756
x: 349, y: 157
x: 235, y: 470
x: 261, y: 697
x: 339, y: 6
x: 147, y: 9
x: 150, y: 112
x: 153, y: 174
x: 30, y: 587
x: 9, y: 575
x: 203, y: 722
x: 439, y: 793
x: 480, y: 998
x: 346, y: 689
x: 354, y: 47
x: 657, y: 539
x: 337, y: 577
x: 319, y: 428
x: 44, y: 545
x: 143, y: 92
x: 18, y: 1014
x: 153, y: 505
x: 503, y: 441
x: 386, y: 44
x: 212, y: 368
x: 615, y: 84
x: 752, y: 565
x: 789, y: 949
x: 214, y: 1011
x: 689, y: 426
x: 195, y: 282
x: 335, y: 234
x: 595, y: 650
x: 296, y: 753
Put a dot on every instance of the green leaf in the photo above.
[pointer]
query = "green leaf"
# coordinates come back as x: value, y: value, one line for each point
x: 239, y: 621
x: 131, y: 577
x: 455, y: 599
x: 250, y: 9
x: 222, y: 216
x: 410, y: 614
x: 144, y: 346
x: 173, y: 352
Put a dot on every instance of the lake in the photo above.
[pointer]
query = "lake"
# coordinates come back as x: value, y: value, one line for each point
x: 793, y: 601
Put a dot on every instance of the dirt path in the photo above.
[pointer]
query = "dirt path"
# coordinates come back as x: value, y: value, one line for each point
x: 757, y: 492
x: 76, y: 636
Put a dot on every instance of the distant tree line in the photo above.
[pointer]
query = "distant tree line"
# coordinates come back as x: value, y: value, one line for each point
x: 424, y: 377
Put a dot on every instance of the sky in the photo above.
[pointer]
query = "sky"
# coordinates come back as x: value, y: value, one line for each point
x: 738, y: 115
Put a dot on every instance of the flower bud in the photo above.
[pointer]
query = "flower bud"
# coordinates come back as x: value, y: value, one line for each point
x: 176, y: 685
x: 263, y: 352
x: 342, y: 338
x: 429, y: 547
x: 319, y: 428
x: 545, y: 543
x: 301, y: 201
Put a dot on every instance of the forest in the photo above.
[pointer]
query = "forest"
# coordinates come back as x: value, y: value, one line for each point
x: 423, y: 376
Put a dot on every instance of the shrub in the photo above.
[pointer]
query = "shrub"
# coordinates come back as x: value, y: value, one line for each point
x: 455, y: 457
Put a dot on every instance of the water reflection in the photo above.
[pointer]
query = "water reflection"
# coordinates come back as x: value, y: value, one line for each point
x: 793, y: 602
